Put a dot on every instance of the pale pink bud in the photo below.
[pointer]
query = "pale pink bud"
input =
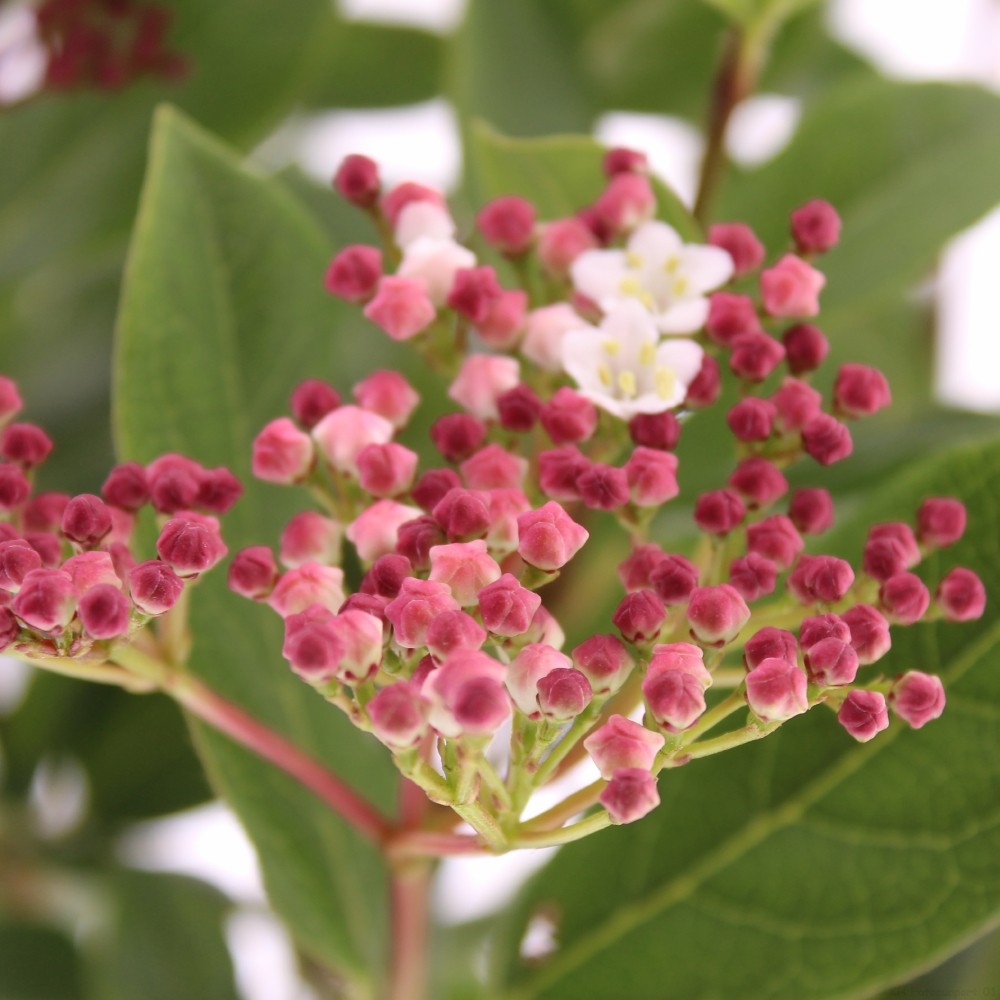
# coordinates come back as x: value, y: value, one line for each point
x: 507, y: 607
x: 191, y: 544
x: 282, y: 453
x: 651, y: 476
x: 398, y: 715
x: 10, y: 399
x: 716, y: 614
x: 343, y: 432
x: 629, y: 795
x: 354, y: 273
x: 568, y: 417
x: 88, y: 569
x: 707, y: 384
x: 310, y: 537
x: 481, y: 380
x: 776, y: 690
x: 604, y: 661
x: 626, y: 201
x: 389, y: 394
x: 154, y: 587
x: 620, y: 160
x: 47, y: 545
x: 806, y: 347
x: 548, y: 537
x: 740, y: 242
x: 820, y: 627
x: 463, y: 515
x: 603, y: 487
x: 545, y: 628
x: 563, y: 693
x: 14, y: 487
x: 961, y: 596
x: 312, y: 399
x: 386, y: 575
x: 311, y: 646
x: 375, y: 531
x: 917, y: 698
x: 634, y: 571
x: 25, y: 444
x: 401, y: 307
x: 386, y: 470
x: 758, y: 481
x: 423, y: 219
x: 754, y: 356
x: 811, y: 510
x: 435, y: 262
x: 174, y: 482
x: 466, y: 567
x: 467, y: 695
x: 815, y: 226
x: 640, y: 615
x: 531, y: 664
x: 655, y: 430
x: 17, y: 560
x: 86, y: 520
x: 751, y: 419
x: 869, y: 633
x: 795, y: 404
x: 864, y: 715
x: 357, y: 180
x: 505, y: 507
x: 941, y: 521
x: 831, y: 662
x: 44, y: 511
x: 504, y: 321
x: 674, y: 578
x: 775, y: 538
x: 820, y: 579
x: 683, y: 656
x: 753, y: 576
x: 104, y: 611
x: 432, y: 487
x: 452, y: 630
x: 306, y: 585
x: 904, y: 598
x: 770, y: 643
x: 719, y: 511
x: 560, y: 242
x: 408, y: 193
x: 558, y: 471
x: 860, y: 391
x: 46, y: 601
x: 826, y: 439
x: 253, y: 572
x: 508, y: 223
x: 791, y: 287
x: 360, y: 638
x: 675, y: 698
x: 494, y: 468
x: 620, y: 742
x: 9, y: 628
x: 418, y: 603
x: 730, y: 315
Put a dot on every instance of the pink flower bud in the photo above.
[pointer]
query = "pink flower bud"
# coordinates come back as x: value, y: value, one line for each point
x: 655, y: 430
x: 311, y: 646
x: 729, y: 316
x: 568, y: 417
x: 310, y: 537
x: 860, y: 391
x: 776, y: 690
x: 401, y: 307
x: 343, y: 432
x: 811, y: 510
x: 640, y: 615
x: 917, y: 698
x: 25, y: 445
x: 86, y: 520
x: 904, y: 598
x: 961, y: 596
x: 507, y: 607
x: 370, y: 604
x: 684, y: 657
x: 453, y: 630
x: 44, y: 511
x: 357, y: 180
x: 457, y: 435
x: 604, y: 661
x: 651, y: 477
x: 386, y: 575
x: 603, y: 487
x: 548, y: 537
x: 253, y: 572
x: 503, y: 326
x: 740, y: 242
x: 9, y: 627
x: 494, y: 468
x: 620, y: 160
x: 191, y: 544
x: 791, y: 287
x: 707, y: 384
x: 820, y: 579
x: 306, y: 585
x: 869, y: 633
x: 820, y: 627
x: 218, y: 491
x: 630, y: 794
x: 675, y: 698
x: 508, y: 223
x: 560, y: 242
x: 831, y: 662
x: 620, y: 742
x: 563, y: 693
x: 754, y: 356
x: 505, y: 507
x: 481, y: 380
x: 806, y: 347
x: 625, y: 202
x: 530, y: 665
x: 104, y: 611
x: 634, y: 571
x: 758, y: 481
x: 154, y: 587
x: 473, y: 292
x: 398, y: 715
x: 751, y: 419
x: 47, y: 545
x: 360, y: 638
x: 354, y: 273
x: 826, y: 439
x: 941, y: 521
x: 545, y: 628
x: 282, y: 453
x: 716, y: 614
x: 465, y: 567
x: 719, y: 511
x: 46, y: 601
x: 10, y: 399
x: 312, y: 400
x: 815, y: 226
x: 88, y: 569
x: 467, y: 695
x: 753, y: 576
x: 519, y: 408
x: 375, y: 531
x: 795, y: 403
x: 418, y: 603
x: 775, y: 538
x: 432, y: 487
x: 386, y: 470
x: 770, y: 643
x: 890, y: 549
x: 14, y: 487
x: 559, y: 470
x: 174, y: 482
x: 864, y: 715
x: 463, y: 515
x: 17, y: 560
x: 674, y: 578
x: 387, y: 393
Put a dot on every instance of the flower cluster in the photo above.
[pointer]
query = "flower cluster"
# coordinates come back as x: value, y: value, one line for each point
x: 571, y: 402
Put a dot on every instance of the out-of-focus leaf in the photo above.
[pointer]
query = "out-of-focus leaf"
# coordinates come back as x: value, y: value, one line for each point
x: 753, y: 12
x: 37, y: 963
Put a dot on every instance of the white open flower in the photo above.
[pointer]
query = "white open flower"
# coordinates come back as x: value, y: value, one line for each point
x: 625, y: 368
x: 668, y: 277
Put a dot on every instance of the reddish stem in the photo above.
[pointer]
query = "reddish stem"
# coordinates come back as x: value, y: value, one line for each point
x: 409, y: 890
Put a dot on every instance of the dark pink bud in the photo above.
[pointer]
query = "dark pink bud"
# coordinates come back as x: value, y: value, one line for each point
x: 17, y: 560
x: 904, y: 598
x: 831, y: 662
x: 811, y: 510
x: 629, y: 795
x: 740, y: 242
x: 815, y: 226
x: 860, y: 391
x: 795, y: 403
x: 9, y: 628
x: 820, y: 627
x: 759, y: 482
x: 10, y: 399
x: 519, y: 408
x: 415, y: 607
x: 651, y: 477
x: 370, y: 604
x: 467, y: 695
x: 508, y: 223
x: 104, y: 611
x: 457, y: 435
x: 627, y: 201
x: 820, y: 579
x: 46, y: 601
x: 707, y: 384
x: 399, y: 715
x: 473, y: 292
x: 917, y: 698
x: 548, y: 537
x: 508, y: 608
x: 864, y: 715
x: 753, y: 576
x: 357, y: 180
x: 604, y: 661
x: 126, y: 486
x: 494, y: 468
x: 563, y: 693
x: 463, y: 515
x: 86, y: 520
x: 719, y: 511
x: 312, y: 400
x: 754, y: 356
x: 453, y: 630
x: 44, y: 511
x: 218, y: 491
x: 826, y: 439
x: 354, y: 273
x: 386, y: 470
x: 386, y: 575
x: 191, y: 546
x: 776, y: 690
x: 14, y: 487
x: 751, y: 419
x: 770, y: 643
x: 890, y: 549
x: 560, y: 242
x: 416, y: 538
x: 46, y: 545
x: 941, y: 521
x: 675, y: 698
x: 869, y: 633
x: 312, y: 647
x: 603, y: 487
x: 25, y: 444
x: 634, y: 570
x: 432, y: 487
x: 674, y: 579
x: 640, y: 615
x: 568, y: 417
x: 558, y: 471
x: 253, y: 572
x: 598, y: 228
x: 806, y: 347
x: 729, y: 316
x: 655, y: 430
x: 961, y: 596
x: 620, y: 742
x: 174, y: 482
x: 716, y: 614
x: 620, y: 160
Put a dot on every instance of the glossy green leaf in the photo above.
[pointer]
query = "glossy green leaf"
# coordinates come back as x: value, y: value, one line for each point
x: 805, y: 865
x: 37, y: 963
x: 223, y: 312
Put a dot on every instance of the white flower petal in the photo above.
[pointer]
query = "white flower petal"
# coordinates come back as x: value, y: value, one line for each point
x: 654, y: 241
x: 598, y: 274
x: 685, y: 316
x: 706, y: 267
x: 435, y: 262
x: 682, y: 357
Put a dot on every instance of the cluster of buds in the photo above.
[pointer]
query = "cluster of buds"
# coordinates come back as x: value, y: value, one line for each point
x: 571, y: 402
x: 73, y: 588
x: 105, y: 43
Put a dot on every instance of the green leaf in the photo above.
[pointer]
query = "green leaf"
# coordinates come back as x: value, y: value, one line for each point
x: 805, y: 865
x: 37, y: 963
x: 223, y: 311
x: 749, y: 13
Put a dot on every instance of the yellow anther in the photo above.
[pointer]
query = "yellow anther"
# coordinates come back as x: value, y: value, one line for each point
x: 604, y: 374
x: 633, y: 260
x: 680, y: 287
x: 647, y: 354
x: 611, y: 346
x: 629, y: 285
x: 665, y: 382
x: 671, y: 264
x: 626, y: 382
